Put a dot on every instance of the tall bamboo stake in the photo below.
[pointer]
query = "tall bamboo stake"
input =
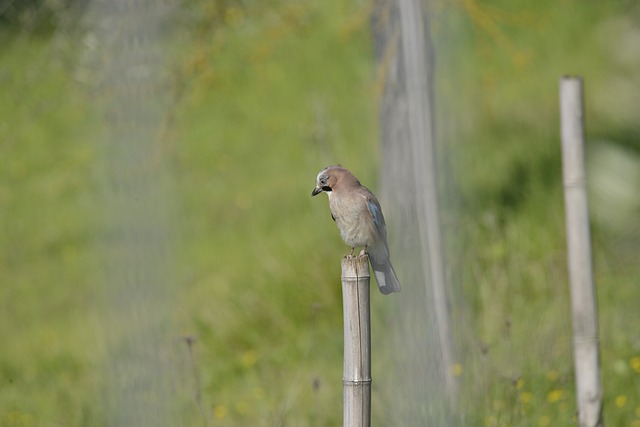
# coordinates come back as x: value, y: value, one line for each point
x: 357, y: 342
x: 583, y: 299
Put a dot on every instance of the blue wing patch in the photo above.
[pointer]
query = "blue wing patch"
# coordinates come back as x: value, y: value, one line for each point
x: 378, y: 221
x: 376, y: 213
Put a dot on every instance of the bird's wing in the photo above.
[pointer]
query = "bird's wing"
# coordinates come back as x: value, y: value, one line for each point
x: 378, y: 218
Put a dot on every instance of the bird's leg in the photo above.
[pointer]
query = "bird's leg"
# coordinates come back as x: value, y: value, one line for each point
x: 363, y: 251
x: 353, y: 248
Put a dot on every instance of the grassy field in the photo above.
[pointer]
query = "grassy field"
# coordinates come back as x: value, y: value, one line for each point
x: 513, y: 268
x: 264, y: 98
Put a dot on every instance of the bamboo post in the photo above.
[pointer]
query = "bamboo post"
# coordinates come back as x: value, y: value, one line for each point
x: 583, y: 299
x: 357, y: 342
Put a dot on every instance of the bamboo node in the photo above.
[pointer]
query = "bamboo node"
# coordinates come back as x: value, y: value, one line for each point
x: 356, y: 382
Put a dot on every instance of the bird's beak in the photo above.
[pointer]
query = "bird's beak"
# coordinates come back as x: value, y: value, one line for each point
x: 316, y: 191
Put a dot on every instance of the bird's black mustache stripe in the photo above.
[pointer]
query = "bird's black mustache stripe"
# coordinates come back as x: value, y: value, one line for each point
x: 326, y: 188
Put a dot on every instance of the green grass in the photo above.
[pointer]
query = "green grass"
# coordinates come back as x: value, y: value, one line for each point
x: 267, y: 97
x: 517, y: 358
x: 265, y: 301
x: 47, y: 369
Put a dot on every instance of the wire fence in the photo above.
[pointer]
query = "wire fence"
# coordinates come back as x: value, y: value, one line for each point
x: 465, y: 344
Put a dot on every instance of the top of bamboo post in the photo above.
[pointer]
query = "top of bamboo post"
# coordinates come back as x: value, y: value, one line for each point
x: 355, y: 267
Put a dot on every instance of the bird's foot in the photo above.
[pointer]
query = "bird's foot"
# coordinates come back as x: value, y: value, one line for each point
x: 363, y: 251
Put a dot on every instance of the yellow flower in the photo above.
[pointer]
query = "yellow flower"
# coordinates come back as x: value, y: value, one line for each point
x: 219, y: 412
x: 544, y: 421
x: 555, y: 396
x: 456, y: 369
x: 620, y: 401
x: 635, y: 364
x: 249, y: 358
x: 526, y: 397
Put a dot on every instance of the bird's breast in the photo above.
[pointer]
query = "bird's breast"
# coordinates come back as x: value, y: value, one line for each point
x: 353, y: 220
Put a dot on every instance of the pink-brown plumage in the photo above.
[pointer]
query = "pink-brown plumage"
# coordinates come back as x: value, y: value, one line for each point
x: 359, y: 218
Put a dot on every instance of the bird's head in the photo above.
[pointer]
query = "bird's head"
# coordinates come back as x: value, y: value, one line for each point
x: 324, y: 181
x: 332, y: 176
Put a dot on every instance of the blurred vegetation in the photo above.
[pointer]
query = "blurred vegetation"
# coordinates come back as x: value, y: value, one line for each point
x: 31, y: 17
x: 264, y: 95
x: 508, y: 217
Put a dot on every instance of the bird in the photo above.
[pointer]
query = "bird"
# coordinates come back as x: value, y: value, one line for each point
x: 358, y: 215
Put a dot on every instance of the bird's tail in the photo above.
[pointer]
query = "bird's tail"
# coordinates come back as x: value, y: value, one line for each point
x: 385, y: 276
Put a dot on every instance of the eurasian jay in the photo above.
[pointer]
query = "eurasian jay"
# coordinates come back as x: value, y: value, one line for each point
x: 358, y: 215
